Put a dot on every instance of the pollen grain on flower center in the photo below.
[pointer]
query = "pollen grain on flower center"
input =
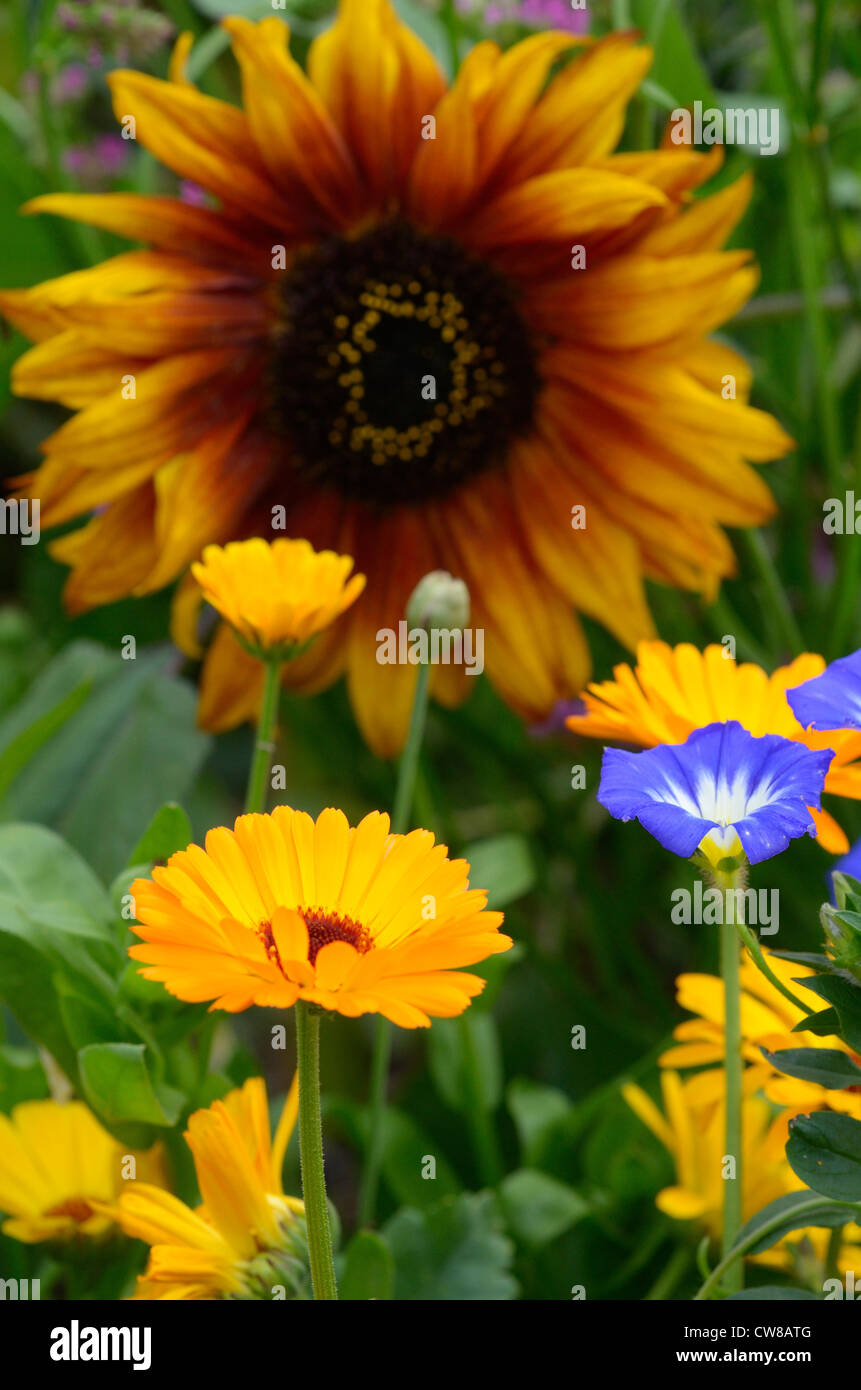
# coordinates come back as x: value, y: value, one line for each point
x: 323, y: 927
x: 402, y: 366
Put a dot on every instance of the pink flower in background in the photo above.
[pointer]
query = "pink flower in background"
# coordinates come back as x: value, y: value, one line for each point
x: 96, y: 165
x: 555, y: 14
x: 194, y: 195
x: 71, y: 83
x: 547, y: 14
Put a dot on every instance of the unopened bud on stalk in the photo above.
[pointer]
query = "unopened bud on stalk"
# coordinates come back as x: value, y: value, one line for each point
x: 842, y: 938
x: 439, y: 601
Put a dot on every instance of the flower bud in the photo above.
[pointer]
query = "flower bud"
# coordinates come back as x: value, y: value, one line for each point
x: 439, y: 601
x: 842, y: 938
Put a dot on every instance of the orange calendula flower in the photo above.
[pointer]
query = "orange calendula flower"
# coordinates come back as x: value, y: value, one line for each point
x: 247, y: 1236
x: 283, y: 908
x: 57, y: 1165
x: 277, y: 595
x: 435, y: 325
x: 673, y: 690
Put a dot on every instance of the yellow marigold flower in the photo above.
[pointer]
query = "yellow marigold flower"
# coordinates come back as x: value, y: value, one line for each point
x: 57, y: 1164
x: 427, y: 321
x: 673, y: 690
x: 767, y: 1020
x: 246, y: 1232
x: 283, y: 908
x: 691, y: 1129
x: 277, y: 595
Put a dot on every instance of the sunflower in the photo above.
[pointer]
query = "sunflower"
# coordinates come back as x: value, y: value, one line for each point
x: 768, y: 1020
x: 248, y: 1236
x: 57, y: 1164
x: 283, y: 908
x: 431, y: 327
x: 674, y: 690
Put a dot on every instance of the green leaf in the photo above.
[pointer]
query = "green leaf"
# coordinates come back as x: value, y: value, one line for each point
x: 814, y: 958
x: 66, y: 680
x: 677, y: 67
x: 117, y: 1084
x: 824, y: 1065
x: 536, y: 1110
x: 157, y: 749
x: 825, y: 1024
x: 454, y: 1252
x: 824, y: 1150
x: 369, y: 1270
x: 22, y: 1076
x: 19, y: 750
x: 27, y: 984
x: 168, y: 831
x: 455, y: 1045
x: 503, y: 865
x: 56, y: 938
x: 847, y: 891
x: 406, y: 1149
x: 845, y: 997
x: 538, y: 1208
x: 37, y: 866
x: 136, y: 729
x: 430, y: 30
x: 795, y: 1213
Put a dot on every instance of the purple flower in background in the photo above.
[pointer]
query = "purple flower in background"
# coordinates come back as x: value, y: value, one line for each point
x: 722, y: 790
x: 194, y: 195
x: 555, y: 721
x: 546, y: 14
x: 99, y: 163
x: 555, y: 14
x: 67, y: 18
x: 832, y: 700
x: 71, y: 82
x: 112, y: 152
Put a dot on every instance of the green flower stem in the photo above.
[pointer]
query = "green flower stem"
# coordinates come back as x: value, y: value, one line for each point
x: 481, y: 1127
x: 311, y: 1152
x: 835, y: 1241
x: 409, y: 764
x: 804, y: 171
x: 845, y: 601
x: 733, y: 1067
x: 255, y: 799
x: 380, y: 1062
x: 450, y: 20
x: 762, y: 965
x: 668, y: 1280
x: 382, y: 1054
x: 778, y: 603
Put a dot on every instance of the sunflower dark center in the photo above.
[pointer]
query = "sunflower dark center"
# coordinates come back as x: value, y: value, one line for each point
x: 402, y: 366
